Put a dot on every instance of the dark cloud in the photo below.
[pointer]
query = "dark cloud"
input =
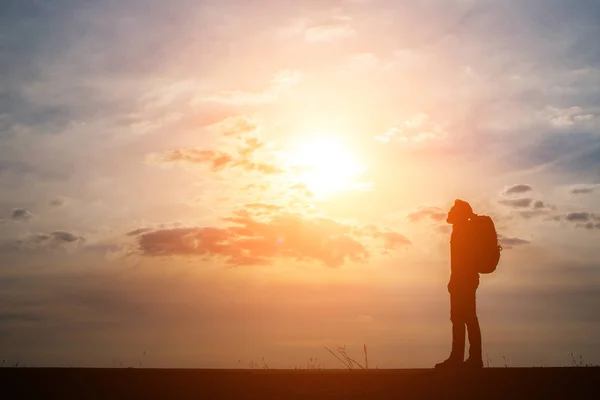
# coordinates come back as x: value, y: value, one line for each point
x: 433, y: 213
x: 579, y: 219
x: 589, y: 225
x: 43, y: 240
x: 584, y: 189
x: 20, y: 214
x: 517, y: 203
x: 64, y: 236
x: 58, y: 201
x: 526, y: 207
x: 574, y: 156
x: 138, y: 231
x: 261, y: 238
x: 578, y: 216
x: 518, y: 189
x: 510, y: 242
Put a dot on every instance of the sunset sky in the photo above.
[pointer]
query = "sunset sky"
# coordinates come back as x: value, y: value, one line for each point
x: 207, y: 183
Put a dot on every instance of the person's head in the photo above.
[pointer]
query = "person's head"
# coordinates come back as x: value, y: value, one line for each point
x: 460, y: 212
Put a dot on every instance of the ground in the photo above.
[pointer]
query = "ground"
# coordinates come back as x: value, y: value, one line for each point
x: 488, y: 383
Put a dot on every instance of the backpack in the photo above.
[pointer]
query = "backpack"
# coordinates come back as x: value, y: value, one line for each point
x: 487, y: 249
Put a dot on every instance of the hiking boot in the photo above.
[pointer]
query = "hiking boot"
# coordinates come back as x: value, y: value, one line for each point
x: 449, y: 364
x: 473, y: 363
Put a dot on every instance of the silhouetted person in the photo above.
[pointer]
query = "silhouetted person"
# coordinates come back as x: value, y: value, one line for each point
x: 464, y: 281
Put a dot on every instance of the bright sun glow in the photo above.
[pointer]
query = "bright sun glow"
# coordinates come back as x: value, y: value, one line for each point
x: 325, y: 166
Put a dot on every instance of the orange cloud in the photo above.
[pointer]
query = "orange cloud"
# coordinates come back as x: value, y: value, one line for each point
x: 259, y: 235
x: 432, y: 213
x: 283, y: 81
x: 250, y: 145
x: 234, y: 126
x: 262, y: 206
x: 264, y: 167
x: 217, y: 159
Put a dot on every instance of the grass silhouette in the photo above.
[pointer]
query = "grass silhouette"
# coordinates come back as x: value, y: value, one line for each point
x: 348, y: 361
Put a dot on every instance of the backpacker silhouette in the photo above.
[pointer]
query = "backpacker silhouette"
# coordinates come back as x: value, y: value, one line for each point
x: 486, y: 253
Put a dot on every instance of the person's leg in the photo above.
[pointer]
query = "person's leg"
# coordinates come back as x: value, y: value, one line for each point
x: 458, y: 334
x: 458, y: 325
x: 474, y: 339
x: 472, y: 322
x: 458, y: 340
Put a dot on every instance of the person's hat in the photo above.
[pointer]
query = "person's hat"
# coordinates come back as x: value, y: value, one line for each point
x: 462, y: 206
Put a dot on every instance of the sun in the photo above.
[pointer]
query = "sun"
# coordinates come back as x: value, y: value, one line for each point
x: 325, y: 166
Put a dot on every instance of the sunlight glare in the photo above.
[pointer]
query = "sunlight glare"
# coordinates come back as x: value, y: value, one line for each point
x: 325, y: 166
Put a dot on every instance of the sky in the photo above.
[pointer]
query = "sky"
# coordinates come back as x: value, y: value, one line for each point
x: 225, y: 184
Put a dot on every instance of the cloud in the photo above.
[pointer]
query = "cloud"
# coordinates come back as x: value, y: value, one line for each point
x: 58, y: 201
x: 527, y: 207
x: 578, y: 216
x: 589, y: 225
x: 584, y: 188
x: 234, y: 126
x: 392, y: 240
x: 517, y: 189
x: 20, y: 214
x: 582, y: 216
x: 260, y: 234
x: 261, y: 187
x: 433, y: 213
x: 282, y: 82
x: 567, y: 117
x: 417, y: 129
x: 575, y: 156
x: 581, y: 219
x: 216, y: 159
x: 302, y: 189
x: 365, y: 62
x: 51, y: 240
x: 139, y: 231
x: 219, y: 160
x: 65, y: 237
x: 445, y: 229
x: 250, y: 145
x: 525, y: 202
x: 335, y: 28
x: 262, y: 167
x: 263, y: 206
x: 511, y: 242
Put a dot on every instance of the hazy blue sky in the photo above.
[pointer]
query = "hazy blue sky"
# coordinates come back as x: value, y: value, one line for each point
x: 212, y: 182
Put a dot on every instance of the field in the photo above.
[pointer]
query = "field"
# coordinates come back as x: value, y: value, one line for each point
x: 128, y: 383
